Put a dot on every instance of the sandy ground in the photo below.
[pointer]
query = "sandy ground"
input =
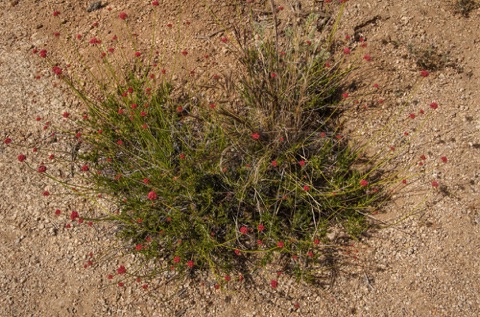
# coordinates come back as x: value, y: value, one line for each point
x: 426, y: 265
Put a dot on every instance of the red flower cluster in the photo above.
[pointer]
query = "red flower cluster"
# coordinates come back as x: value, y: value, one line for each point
x: 152, y: 195
x: 57, y: 70
x: 74, y: 215
x: 363, y: 182
x: 94, y: 41
x: 274, y: 283
x: 123, y: 15
x: 122, y: 270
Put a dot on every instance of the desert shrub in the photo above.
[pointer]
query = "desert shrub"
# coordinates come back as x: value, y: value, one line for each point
x: 255, y: 172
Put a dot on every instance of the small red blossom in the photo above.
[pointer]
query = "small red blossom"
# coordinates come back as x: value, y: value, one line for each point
x: 274, y: 163
x: 237, y: 251
x: 43, y: 53
x: 346, y: 51
x: 120, y: 142
x: 412, y: 116
x: 280, y: 8
x: 57, y: 70
x: 435, y: 184
x: 280, y: 244
x: 434, y: 105
x: 146, y: 180
x: 7, y: 141
x: 310, y: 254
x: 122, y: 15
x: 363, y: 183
x: 255, y: 136
x: 95, y: 41
x: 74, y: 215
x: 22, y: 157
x: 121, y: 270
x: 274, y: 283
x: 423, y: 157
x: 345, y: 95
x: 68, y: 226
x: 444, y: 159
x: 120, y: 284
x: 42, y: 169
x: 301, y: 163
x: 190, y: 264
x: 224, y: 39
x: 110, y: 276
x: 243, y: 230
x: 46, y: 193
x: 155, y: 3
x: 139, y: 247
x: 306, y: 188
x: 260, y: 227
x: 184, y: 53
x: 138, y: 54
x: 227, y: 278
x: 367, y: 57
x: 56, y: 13
x: 273, y: 75
x: 145, y: 286
x: 404, y: 181
x: 85, y: 168
x: 424, y: 73
x: 152, y: 195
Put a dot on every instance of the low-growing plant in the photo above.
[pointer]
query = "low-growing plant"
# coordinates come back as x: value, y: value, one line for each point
x: 257, y: 171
